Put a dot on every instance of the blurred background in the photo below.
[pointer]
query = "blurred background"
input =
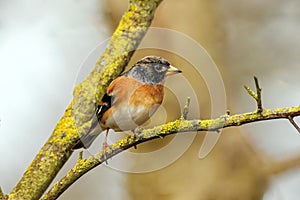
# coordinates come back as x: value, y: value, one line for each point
x: 42, y: 46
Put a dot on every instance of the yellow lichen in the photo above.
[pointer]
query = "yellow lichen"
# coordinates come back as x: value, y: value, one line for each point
x: 77, y: 117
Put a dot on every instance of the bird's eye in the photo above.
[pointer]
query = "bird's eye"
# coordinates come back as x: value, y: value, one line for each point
x: 158, y: 68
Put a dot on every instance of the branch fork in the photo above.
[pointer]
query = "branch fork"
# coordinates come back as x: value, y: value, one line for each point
x: 291, y: 119
x: 256, y: 95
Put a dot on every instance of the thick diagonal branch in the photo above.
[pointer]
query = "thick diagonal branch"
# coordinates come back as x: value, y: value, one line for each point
x: 77, y: 117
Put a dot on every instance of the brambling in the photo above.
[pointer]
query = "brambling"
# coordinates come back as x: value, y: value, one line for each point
x: 130, y: 99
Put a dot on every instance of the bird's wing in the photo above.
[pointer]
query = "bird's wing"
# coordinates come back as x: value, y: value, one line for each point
x: 103, y: 106
x: 106, y: 102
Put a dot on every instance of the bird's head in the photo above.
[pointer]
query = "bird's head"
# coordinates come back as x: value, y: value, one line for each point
x: 152, y: 70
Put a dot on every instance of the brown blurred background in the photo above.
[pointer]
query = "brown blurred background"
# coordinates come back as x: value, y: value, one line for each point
x: 257, y: 161
x: 244, y: 40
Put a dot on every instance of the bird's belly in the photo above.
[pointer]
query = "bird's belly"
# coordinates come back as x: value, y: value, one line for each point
x: 128, y: 118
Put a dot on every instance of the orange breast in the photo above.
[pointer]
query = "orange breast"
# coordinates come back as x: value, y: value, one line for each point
x: 147, y: 95
x: 134, y: 103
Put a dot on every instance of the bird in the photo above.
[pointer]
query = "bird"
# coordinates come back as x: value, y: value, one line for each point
x: 130, y: 100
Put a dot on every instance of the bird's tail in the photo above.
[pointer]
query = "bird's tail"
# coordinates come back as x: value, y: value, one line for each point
x: 86, y: 140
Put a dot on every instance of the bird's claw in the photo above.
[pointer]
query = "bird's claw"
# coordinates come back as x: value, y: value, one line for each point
x: 104, y: 146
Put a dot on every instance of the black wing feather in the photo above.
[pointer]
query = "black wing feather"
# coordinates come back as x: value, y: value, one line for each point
x: 86, y: 140
x: 106, y: 103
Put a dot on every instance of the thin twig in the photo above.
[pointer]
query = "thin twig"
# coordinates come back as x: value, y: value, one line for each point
x: 176, y: 126
x: 186, y: 108
x: 291, y: 119
x: 251, y: 92
x: 80, y: 155
x: 258, y: 92
x: 257, y: 95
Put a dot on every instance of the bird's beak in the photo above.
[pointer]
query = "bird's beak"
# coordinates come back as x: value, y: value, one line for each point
x: 173, y: 70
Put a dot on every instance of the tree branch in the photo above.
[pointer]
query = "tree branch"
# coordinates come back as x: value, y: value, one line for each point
x: 77, y: 117
x: 180, y: 125
x: 291, y: 119
x: 257, y: 95
x: 186, y: 107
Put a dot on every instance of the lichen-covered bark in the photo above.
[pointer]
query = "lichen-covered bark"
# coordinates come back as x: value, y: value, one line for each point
x: 48, y: 161
x: 123, y: 43
x: 180, y: 125
x: 76, y: 119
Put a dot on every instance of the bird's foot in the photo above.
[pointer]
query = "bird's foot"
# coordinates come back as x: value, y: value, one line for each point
x: 104, y: 146
x: 137, y: 131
